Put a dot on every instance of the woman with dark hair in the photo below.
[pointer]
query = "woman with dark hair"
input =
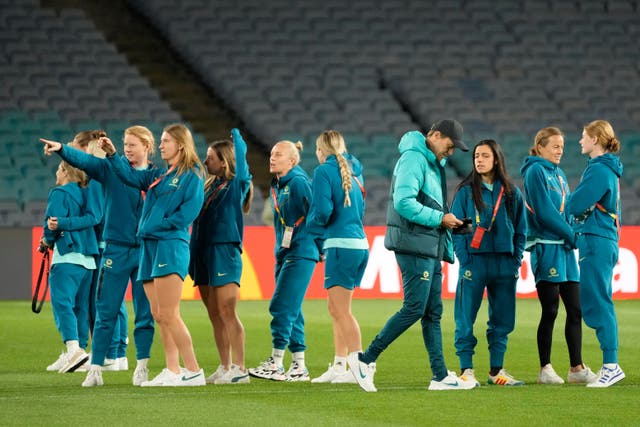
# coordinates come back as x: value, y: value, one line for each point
x: 216, y: 251
x: 490, y: 257
x: 595, y: 205
x: 551, y: 242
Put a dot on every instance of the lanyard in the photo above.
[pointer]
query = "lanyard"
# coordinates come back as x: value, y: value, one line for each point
x: 564, y: 193
x: 362, y: 190
x: 613, y: 215
x: 158, y: 179
x: 277, y: 208
x: 495, y: 210
x: 213, y: 195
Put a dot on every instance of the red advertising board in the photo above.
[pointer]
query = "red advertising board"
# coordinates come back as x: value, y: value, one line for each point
x: 382, y: 276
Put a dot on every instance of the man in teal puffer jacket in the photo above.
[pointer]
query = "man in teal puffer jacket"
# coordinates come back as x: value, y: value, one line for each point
x: 419, y: 232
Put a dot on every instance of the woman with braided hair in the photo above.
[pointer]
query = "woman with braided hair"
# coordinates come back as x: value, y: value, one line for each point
x: 335, y: 220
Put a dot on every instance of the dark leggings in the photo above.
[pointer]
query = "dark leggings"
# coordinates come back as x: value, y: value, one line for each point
x: 548, y: 296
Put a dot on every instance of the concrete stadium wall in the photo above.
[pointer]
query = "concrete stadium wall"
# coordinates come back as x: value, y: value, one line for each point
x: 15, y: 263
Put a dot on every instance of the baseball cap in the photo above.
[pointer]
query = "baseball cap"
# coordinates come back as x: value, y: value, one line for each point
x: 452, y: 129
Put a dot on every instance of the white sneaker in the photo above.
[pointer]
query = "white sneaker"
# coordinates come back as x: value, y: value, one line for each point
x: 450, y: 382
x: 335, y: 376
x: 469, y: 377
x: 110, y: 365
x: 159, y: 380
x: 123, y: 363
x: 584, y: 376
x: 94, y: 378
x: 548, y: 376
x: 140, y: 375
x: 234, y: 375
x: 329, y: 375
x: 211, y: 379
x: 268, y: 370
x: 503, y: 378
x: 74, y: 361
x: 59, y: 363
x: 297, y: 373
x: 85, y: 366
x: 186, y: 378
x: 362, y: 372
x: 345, y: 377
x: 607, y: 377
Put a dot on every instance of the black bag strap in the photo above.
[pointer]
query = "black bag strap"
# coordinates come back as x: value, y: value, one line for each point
x: 36, y: 306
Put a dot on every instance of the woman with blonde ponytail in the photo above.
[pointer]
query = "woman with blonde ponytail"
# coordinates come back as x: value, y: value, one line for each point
x: 335, y: 221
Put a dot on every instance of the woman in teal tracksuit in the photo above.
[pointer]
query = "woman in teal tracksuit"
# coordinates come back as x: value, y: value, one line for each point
x: 173, y: 198
x: 121, y: 254
x: 335, y: 220
x: 72, y: 266
x: 595, y: 204
x: 296, y: 256
x: 490, y: 257
x: 551, y: 241
x: 216, y: 252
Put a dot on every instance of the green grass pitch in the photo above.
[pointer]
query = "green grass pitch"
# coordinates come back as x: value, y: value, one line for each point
x: 30, y: 396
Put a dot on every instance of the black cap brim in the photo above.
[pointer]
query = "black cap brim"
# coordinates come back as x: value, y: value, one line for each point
x: 460, y: 144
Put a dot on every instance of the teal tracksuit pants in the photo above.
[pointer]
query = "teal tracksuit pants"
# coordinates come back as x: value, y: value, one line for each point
x: 120, y: 340
x: 422, y: 284
x: 497, y: 274
x: 598, y: 256
x: 119, y: 265
x: 287, y: 324
x: 70, y: 286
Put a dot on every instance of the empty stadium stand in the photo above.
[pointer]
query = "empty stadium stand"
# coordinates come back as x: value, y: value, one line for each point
x: 372, y: 69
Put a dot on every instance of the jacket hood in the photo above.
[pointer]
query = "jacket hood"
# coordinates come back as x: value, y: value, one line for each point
x: 356, y: 166
x: 536, y: 160
x: 413, y: 141
x: 416, y: 141
x: 74, y: 191
x: 611, y: 161
x: 295, y: 172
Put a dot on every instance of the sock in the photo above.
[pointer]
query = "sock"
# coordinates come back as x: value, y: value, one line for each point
x: 299, y: 357
x: 277, y: 355
x: 339, y: 364
x: 72, y: 346
x: 610, y: 365
x: 494, y: 370
x: 142, y: 363
x: 95, y: 367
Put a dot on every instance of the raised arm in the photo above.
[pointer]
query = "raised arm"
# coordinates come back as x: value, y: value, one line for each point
x: 240, y: 148
x: 141, y: 179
